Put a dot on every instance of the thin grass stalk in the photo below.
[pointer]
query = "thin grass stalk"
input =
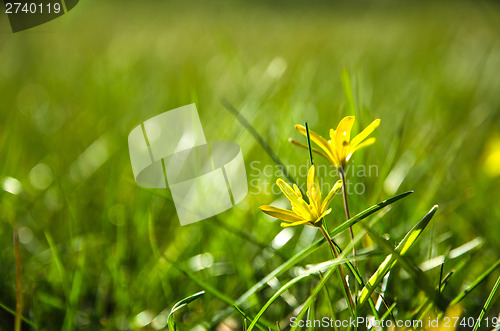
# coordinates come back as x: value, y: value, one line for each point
x: 487, y: 304
x: 247, y: 318
x: 284, y: 288
x: 308, y: 305
x: 13, y: 313
x: 339, y: 268
x: 474, y: 284
x: 329, y: 301
x: 244, y: 122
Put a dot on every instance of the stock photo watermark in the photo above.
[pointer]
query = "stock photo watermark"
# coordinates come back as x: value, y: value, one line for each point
x: 448, y: 322
x: 262, y: 178
x: 204, y: 177
x: 26, y: 14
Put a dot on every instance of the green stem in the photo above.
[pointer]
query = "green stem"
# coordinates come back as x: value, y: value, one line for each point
x: 348, y: 217
x: 335, y: 255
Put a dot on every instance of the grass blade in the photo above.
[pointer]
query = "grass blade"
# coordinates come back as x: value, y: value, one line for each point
x: 388, y: 312
x: 305, y: 274
x: 487, y: 304
x: 424, y: 308
x: 482, y: 277
x: 179, y: 305
x: 299, y: 256
x: 243, y: 121
x: 58, y: 263
x: 418, y: 276
x: 212, y: 290
x: 348, y: 95
x: 246, y: 318
x: 74, y: 293
x: 312, y: 297
x: 390, y: 260
x: 453, y: 254
x: 13, y: 313
x: 329, y: 301
x: 217, y: 223
x: 209, y: 288
x: 367, y: 212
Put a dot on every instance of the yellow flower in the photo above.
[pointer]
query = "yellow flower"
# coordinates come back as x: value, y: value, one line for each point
x: 339, y: 149
x: 303, y: 212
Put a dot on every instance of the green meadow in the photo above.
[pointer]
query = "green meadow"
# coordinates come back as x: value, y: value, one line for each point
x: 83, y: 247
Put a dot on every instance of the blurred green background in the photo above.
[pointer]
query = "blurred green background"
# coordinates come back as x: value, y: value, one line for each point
x: 72, y: 89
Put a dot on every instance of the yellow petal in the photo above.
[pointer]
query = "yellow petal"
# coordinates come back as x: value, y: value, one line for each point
x: 318, y: 140
x: 298, y: 204
x: 365, y: 143
x: 344, y: 128
x: 310, y: 178
x: 342, y: 137
x: 282, y: 214
x: 332, y: 134
x: 303, y: 211
x: 326, y: 212
x: 365, y: 133
x: 313, y: 188
x: 297, y: 190
x: 285, y: 225
x: 287, y: 191
x: 314, y: 200
x: 331, y: 194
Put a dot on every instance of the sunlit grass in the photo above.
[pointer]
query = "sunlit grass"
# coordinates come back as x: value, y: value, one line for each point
x: 99, y: 252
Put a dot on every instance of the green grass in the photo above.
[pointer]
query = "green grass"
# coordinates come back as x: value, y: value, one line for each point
x: 99, y: 252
